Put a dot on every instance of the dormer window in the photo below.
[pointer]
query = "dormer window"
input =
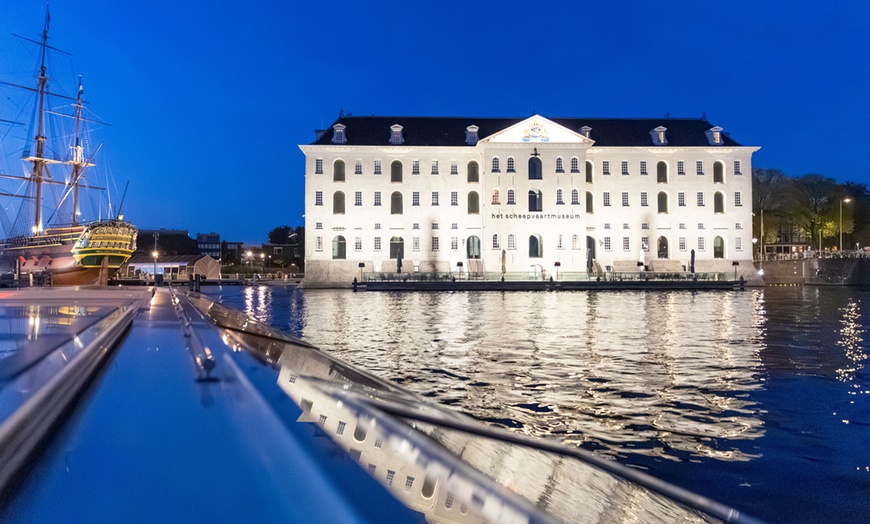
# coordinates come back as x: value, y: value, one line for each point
x: 714, y: 136
x: 585, y: 131
x: 658, y: 136
x: 396, y: 138
x: 338, y: 136
x: 471, y: 135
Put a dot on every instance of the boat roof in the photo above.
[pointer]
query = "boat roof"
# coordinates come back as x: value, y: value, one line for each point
x: 149, y: 404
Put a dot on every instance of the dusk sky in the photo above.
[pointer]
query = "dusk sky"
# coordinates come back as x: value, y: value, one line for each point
x: 208, y: 101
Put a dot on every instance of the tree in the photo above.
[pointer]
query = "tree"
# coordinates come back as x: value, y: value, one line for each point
x: 280, y: 235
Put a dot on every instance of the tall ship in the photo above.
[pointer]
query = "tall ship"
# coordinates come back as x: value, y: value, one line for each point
x: 49, y: 238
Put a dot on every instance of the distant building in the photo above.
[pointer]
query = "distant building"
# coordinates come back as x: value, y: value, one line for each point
x: 209, y: 244
x: 492, y: 195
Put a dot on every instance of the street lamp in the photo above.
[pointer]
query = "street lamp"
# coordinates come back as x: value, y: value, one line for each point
x: 155, y: 254
x: 262, y: 265
x: 846, y: 200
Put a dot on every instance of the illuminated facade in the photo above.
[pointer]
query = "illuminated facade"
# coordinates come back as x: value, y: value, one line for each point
x: 493, y: 195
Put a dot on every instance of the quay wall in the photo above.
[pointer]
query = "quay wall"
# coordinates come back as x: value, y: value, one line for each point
x: 817, y: 271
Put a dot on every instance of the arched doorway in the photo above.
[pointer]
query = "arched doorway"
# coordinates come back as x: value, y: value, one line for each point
x: 590, y: 253
x: 472, y: 247
x: 397, y: 246
x: 718, y: 247
x: 339, y: 248
x: 536, y: 247
x: 662, y: 251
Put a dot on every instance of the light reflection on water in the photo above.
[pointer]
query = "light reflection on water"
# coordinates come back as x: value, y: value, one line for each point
x: 758, y: 399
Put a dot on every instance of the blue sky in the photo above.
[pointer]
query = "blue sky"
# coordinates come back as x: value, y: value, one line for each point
x: 209, y: 100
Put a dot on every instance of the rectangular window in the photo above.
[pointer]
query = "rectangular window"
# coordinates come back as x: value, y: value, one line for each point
x: 415, y: 225
x: 454, y: 243
x: 322, y: 420
x: 415, y: 167
x: 559, y: 243
x: 379, y: 441
x: 738, y: 243
x: 700, y: 225
x: 644, y: 225
x: 701, y: 245
x: 607, y: 225
x: 318, y: 244
x: 512, y: 242
x: 606, y: 243
x: 626, y: 245
x: 625, y: 199
x: 318, y: 225
x: 434, y: 198
x: 389, y: 477
x: 357, y: 168
x: 377, y: 167
x: 699, y: 167
x: 738, y: 225
x: 454, y: 225
x: 643, y: 167
x: 409, y: 482
x: 415, y: 244
x: 682, y: 243
x: 434, y: 225
x: 454, y: 198
x: 700, y: 199
x: 372, y: 469
x: 682, y: 225
x: 738, y: 198
x: 605, y: 167
x: 415, y: 198
x: 340, y: 429
x: 681, y: 167
x: 644, y: 243
x: 624, y: 167
x: 357, y: 244
x: 357, y: 198
x: 625, y: 225
x: 644, y: 199
x: 606, y: 198
x: 377, y: 225
x: 377, y: 198
x: 737, y: 168
x: 454, y: 167
x: 681, y: 199
x: 434, y: 243
x: 434, y: 167
x: 318, y: 198
x: 377, y: 243
x: 318, y: 166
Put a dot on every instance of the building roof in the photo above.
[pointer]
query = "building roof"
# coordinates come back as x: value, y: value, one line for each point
x: 170, y: 259
x: 450, y: 131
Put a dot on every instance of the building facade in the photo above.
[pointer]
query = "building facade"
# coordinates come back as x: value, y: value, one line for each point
x: 536, y: 195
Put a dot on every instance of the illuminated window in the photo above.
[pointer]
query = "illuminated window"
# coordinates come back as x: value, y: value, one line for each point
x: 495, y: 200
x: 714, y: 136
x: 658, y: 136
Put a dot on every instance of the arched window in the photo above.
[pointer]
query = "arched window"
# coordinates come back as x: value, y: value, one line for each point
x: 718, y: 173
x: 339, y: 248
x: 472, y: 247
x: 718, y: 247
x: 396, y: 203
x: 663, y: 251
x: 663, y: 202
x: 511, y: 197
x: 589, y: 202
x: 397, y: 247
x: 396, y: 171
x: 588, y: 172
x: 560, y: 168
x: 536, y: 247
x: 535, y: 168
x: 338, y: 203
x: 575, y: 197
x: 495, y: 241
x: 473, y: 203
x: 575, y: 164
x: 662, y: 173
x: 718, y: 202
x: 338, y: 171
x: 535, y: 200
x: 495, y: 166
x: 559, y: 197
x: 473, y: 172
x: 495, y: 200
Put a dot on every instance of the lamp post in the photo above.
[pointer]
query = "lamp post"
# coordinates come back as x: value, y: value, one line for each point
x: 846, y: 200
x: 262, y: 263
x: 155, y: 254
x: 249, y: 256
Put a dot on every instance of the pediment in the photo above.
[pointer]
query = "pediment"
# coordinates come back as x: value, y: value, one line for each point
x: 537, y: 129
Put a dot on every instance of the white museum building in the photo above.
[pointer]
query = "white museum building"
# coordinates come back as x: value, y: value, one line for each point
x: 484, y: 196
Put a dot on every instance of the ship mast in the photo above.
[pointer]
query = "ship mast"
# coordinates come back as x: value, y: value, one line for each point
x: 39, y: 160
x: 78, y: 161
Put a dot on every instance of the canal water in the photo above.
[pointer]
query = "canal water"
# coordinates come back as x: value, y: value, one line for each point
x: 759, y: 399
